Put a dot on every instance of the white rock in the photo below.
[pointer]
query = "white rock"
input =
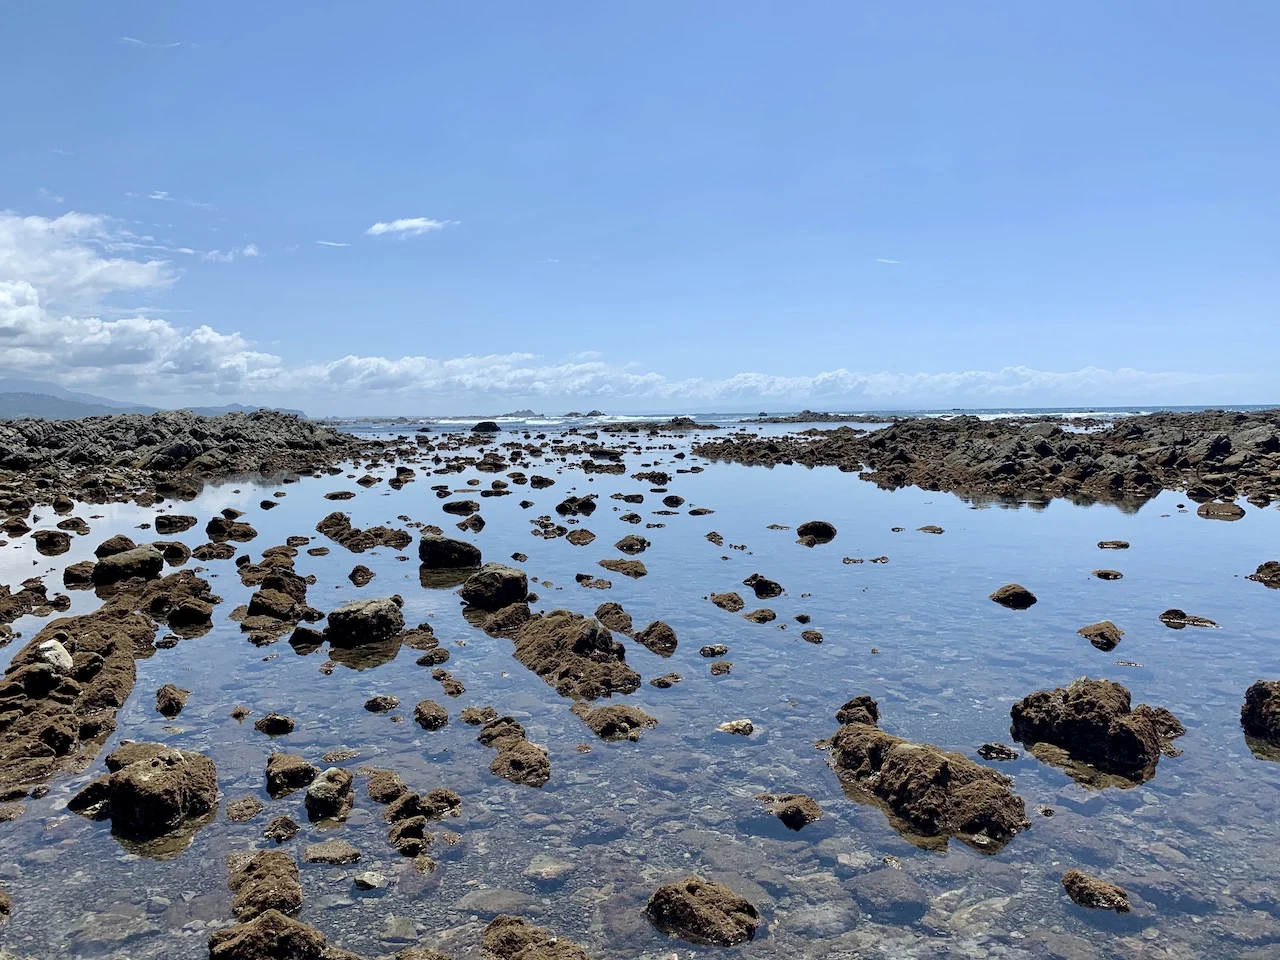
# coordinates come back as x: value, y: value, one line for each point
x: 55, y: 654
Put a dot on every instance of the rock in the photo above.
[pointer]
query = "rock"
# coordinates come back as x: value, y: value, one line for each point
x: 998, y: 752
x: 1014, y: 596
x: 1113, y: 544
x: 78, y: 574
x: 577, y: 506
x: 743, y: 727
x: 713, y: 650
x: 1260, y: 715
x: 575, y: 654
x: 370, y: 880
x: 337, y: 527
x: 167, y: 524
x: 614, y: 617
x: 495, y: 586
x: 244, y: 809
x: 170, y: 700
x: 382, y: 703
x: 700, y: 911
x: 632, y: 544
x: 812, y: 636
x: 287, y: 772
x: 764, y: 615
x: 1220, y: 511
x: 1108, y: 574
x: 281, y: 829
x: 364, y: 621
x: 763, y: 586
x: 635, y: 569
x: 486, y: 426
x: 890, y: 895
x: 151, y: 790
x: 1267, y: 574
x: 580, y: 537
x: 795, y: 810
x: 268, y: 880
x: 814, y: 532
x: 616, y: 721
x: 1096, y: 894
x: 721, y: 668
x: 1176, y: 619
x: 222, y: 529
x: 931, y: 528
x: 659, y: 638
x: 429, y: 715
x: 930, y: 794
x: 461, y: 508
x: 51, y: 543
x: 548, y: 870
x: 1092, y: 721
x: 360, y: 575
x: 330, y: 795
x: 514, y: 938
x: 271, y: 936
x: 728, y: 601
x: 274, y: 725
x: 666, y: 681
x: 518, y: 760
x: 113, y: 545
x: 331, y: 852
x: 144, y: 562
x: 1104, y: 635
x: 53, y: 653
x: 385, y: 786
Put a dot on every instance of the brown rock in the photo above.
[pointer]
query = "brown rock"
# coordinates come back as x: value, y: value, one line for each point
x: 1014, y: 596
x: 703, y: 912
x: 1096, y: 894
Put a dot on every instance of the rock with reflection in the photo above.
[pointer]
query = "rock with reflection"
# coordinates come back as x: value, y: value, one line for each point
x: 438, y: 552
x: 1260, y: 718
x: 494, y: 586
x: 337, y: 527
x: 1093, y: 723
x: 443, y: 578
x: 929, y: 794
x: 363, y: 622
x: 152, y: 791
x: 1267, y: 574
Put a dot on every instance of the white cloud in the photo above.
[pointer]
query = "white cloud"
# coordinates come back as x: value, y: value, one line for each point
x: 142, y: 43
x: 883, y: 260
x: 408, y: 226
x: 332, y: 243
x: 56, y: 273
x: 250, y: 250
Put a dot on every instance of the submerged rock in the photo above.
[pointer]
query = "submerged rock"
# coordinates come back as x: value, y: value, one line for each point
x: 1176, y: 619
x: 1092, y: 721
x: 1220, y: 511
x: 1096, y: 894
x: 700, y: 911
x: 930, y: 794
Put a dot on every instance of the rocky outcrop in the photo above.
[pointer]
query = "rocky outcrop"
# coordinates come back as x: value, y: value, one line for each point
x: 364, y: 621
x: 1267, y: 574
x: 270, y: 936
x: 337, y: 527
x: 700, y: 911
x: 495, y: 586
x: 518, y: 760
x: 144, y: 563
x: 266, y: 880
x: 151, y: 790
x: 929, y: 794
x: 1091, y: 720
x: 444, y: 553
x: 615, y: 721
x: 575, y: 654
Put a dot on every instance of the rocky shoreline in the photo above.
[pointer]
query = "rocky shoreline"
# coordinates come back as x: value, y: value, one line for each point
x: 1209, y: 455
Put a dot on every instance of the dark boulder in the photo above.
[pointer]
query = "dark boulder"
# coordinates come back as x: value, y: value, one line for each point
x: 703, y: 912
x: 1014, y: 596
x: 364, y: 621
x: 495, y: 586
x: 438, y: 552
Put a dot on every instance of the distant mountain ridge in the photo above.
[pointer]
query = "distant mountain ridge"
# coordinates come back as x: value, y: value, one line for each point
x: 20, y: 397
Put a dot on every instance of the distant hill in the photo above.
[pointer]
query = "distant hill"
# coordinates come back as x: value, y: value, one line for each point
x: 21, y: 397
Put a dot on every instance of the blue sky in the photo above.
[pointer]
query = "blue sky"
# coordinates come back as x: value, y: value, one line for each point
x: 643, y: 207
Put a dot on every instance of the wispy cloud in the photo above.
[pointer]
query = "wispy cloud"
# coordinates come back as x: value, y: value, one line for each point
x: 883, y: 260
x: 63, y: 153
x: 50, y: 195
x: 226, y: 256
x: 155, y: 46
x: 408, y: 226
x: 332, y: 243
x: 166, y: 197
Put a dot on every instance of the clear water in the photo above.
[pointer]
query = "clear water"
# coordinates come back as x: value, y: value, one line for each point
x: 1194, y: 846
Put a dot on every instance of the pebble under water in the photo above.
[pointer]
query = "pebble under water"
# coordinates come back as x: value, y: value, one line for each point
x: 1193, y: 846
